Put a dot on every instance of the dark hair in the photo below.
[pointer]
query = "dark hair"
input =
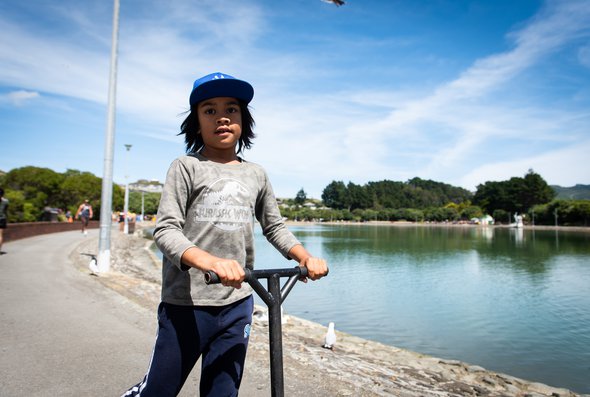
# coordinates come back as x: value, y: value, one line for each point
x: 1, y: 192
x: 194, y: 140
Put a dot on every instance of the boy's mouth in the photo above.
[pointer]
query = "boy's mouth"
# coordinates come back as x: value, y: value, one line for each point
x: 222, y: 130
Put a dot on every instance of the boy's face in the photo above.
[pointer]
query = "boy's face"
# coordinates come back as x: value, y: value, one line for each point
x: 221, y: 122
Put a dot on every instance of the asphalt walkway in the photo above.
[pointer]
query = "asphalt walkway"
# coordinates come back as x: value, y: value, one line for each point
x: 62, y: 333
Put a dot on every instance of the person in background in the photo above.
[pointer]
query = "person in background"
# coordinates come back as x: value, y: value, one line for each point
x: 206, y: 222
x: 121, y: 220
x: 3, y: 217
x: 85, y: 214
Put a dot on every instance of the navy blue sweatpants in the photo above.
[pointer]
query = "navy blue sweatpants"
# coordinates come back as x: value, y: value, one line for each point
x: 219, y: 334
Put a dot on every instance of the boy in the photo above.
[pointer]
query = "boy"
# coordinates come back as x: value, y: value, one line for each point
x: 205, y: 222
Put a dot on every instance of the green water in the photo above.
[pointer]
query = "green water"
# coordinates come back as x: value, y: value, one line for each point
x: 512, y: 301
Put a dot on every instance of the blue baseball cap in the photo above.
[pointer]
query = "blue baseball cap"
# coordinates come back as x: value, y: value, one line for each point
x: 220, y: 85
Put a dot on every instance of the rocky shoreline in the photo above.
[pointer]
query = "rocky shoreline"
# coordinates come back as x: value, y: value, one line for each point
x: 355, y: 367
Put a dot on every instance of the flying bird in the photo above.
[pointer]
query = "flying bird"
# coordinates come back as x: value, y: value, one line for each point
x: 338, y: 3
x: 330, y: 339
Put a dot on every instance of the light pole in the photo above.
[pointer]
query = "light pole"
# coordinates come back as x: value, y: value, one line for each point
x: 142, y: 194
x: 126, y: 209
x: 106, y: 201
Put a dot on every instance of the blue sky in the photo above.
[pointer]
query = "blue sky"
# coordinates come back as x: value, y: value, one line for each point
x: 461, y: 92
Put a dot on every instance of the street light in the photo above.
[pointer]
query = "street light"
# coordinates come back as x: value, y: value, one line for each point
x: 126, y: 209
x: 106, y: 200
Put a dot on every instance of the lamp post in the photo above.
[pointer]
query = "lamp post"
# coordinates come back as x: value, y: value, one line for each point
x: 142, y: 194
x: 106, y: 200
x: 126, y: 209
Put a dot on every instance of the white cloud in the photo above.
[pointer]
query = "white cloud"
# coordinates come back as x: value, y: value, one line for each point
x: 566, y: 167
x: 19, y: 98
x: 40, y: 63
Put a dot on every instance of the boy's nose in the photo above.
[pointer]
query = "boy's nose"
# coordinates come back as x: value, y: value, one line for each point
x: 223, y: 120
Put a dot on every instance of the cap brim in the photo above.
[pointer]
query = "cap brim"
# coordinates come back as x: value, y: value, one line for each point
x: 222, y: 88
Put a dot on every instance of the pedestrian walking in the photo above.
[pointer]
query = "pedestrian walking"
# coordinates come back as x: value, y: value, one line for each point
x: 85, y: 214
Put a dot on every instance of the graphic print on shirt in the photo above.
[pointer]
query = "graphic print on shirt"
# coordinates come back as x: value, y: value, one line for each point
x: 226, y: 204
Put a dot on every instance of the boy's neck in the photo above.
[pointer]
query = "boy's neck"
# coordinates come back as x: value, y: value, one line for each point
x: 220, y: 156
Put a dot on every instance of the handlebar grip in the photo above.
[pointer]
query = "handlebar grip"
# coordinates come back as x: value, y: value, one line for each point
x: 303, y: 271
x: 211, y: 277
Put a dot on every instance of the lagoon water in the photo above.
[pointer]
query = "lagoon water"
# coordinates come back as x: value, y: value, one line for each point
x: 510, y: 300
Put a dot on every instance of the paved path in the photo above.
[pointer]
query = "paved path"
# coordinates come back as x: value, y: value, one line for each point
x: 64, y: 334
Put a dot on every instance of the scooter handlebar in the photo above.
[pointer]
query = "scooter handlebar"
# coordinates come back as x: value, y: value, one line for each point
x: 212, y: 278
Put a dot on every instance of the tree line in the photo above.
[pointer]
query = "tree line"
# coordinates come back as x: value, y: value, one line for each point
x: 33, y: 190
x: 421, y: 200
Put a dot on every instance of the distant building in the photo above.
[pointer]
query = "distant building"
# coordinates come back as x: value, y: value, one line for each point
x: 309, y: 205
x: 484, y: 220
x: 143, y: 185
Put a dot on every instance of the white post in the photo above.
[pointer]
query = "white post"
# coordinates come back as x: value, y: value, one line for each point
x: 126, y: 209
x: 106, y: 201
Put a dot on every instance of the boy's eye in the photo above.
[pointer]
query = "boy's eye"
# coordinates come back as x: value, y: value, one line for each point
x: 233, y: 110
x: 209, y: 111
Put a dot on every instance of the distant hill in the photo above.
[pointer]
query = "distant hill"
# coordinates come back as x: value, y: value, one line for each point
x: 578, y: 192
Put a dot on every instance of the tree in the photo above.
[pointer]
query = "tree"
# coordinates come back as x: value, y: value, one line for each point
x: 301, y: 197
x: 358, y: 196
x: 151, y: 201
x: 19, y: 210
x: 32, y: 189
x: 535, y: 191
x: 491, y: 196
x: 79, y: 186
x: 471, y: 212
x: 431, y: 193
x: 514, y: 195
x: 40, y: 187
x: 335, y: 195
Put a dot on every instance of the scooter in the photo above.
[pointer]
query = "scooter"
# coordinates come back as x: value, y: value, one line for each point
x: 273, y: 297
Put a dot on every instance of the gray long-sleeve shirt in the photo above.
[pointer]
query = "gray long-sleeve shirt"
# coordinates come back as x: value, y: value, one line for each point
x: 212, y: 206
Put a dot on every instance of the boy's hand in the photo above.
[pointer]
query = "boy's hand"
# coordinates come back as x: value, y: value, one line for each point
x: 230, y: 272
x: 316, y: 267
